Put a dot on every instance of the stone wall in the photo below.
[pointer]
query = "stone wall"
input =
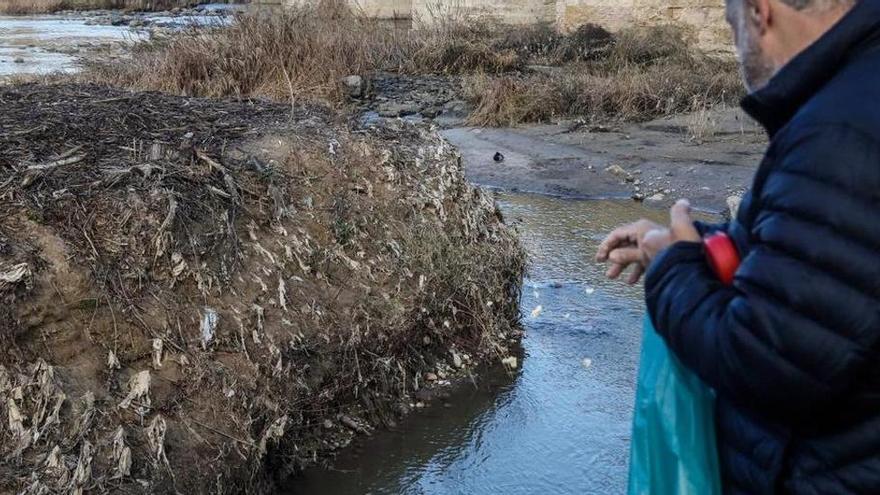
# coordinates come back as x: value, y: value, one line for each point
x: 385, y: 9
x: 704, y: 17
x: 509, y: 11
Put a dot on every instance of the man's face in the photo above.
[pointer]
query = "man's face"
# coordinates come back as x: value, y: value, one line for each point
x: 757, y: 69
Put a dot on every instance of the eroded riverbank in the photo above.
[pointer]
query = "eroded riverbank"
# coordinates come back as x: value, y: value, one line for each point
x: 561, y: 423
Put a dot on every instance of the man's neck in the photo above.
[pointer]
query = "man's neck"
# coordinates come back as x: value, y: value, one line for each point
x: 805, y: 28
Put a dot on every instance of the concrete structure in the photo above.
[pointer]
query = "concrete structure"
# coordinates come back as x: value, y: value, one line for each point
x: 509, y: 11
x: 386, y: 9
x: 704, y: 17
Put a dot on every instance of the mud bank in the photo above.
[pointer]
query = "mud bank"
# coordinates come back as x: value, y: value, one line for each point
x: 708, y: 158
x: 204, y: 296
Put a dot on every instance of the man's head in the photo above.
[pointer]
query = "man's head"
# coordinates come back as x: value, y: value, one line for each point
x: 769, y: 33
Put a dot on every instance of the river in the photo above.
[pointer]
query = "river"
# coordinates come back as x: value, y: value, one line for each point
x: 560, y: 424
x: 43, y: 44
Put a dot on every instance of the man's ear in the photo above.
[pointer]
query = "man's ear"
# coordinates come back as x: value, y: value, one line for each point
x: 759, y: 14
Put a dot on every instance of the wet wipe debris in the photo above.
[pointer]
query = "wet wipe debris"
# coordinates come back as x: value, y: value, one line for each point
x: 205, y: 296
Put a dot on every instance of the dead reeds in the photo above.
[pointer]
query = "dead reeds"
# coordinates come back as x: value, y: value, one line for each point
x: 644, y: 73
x: 304, y: 51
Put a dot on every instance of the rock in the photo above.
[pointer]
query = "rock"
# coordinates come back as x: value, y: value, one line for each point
x: 136, y: 23
x: 618, y: 171
x: 354, y: 86
x: 431, y: 377
x: 510, y: 362
x: 498, y: 157
x: 657, y: 197
x: 431, y: 112
x: 19, y: 60
x: 328, y: 424
x: 397, y: 109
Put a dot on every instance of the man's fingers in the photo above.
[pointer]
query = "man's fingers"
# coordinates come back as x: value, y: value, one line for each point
x: 619, y: 236
x: 636, y: 274
x: 625, y: 256
x: 614, y: 271
x: 682, y: 225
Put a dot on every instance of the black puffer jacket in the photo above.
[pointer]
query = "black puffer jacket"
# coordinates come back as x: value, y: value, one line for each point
x: 793, y: 348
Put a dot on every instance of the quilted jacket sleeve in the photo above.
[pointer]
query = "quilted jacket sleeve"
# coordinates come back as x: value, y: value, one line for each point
x: 802, y: 319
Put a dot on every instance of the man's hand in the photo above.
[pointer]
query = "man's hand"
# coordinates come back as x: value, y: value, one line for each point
x: 639, y: 243
x: 623, y: 247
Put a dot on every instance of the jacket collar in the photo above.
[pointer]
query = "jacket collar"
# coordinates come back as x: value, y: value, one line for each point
x: 775, y: 104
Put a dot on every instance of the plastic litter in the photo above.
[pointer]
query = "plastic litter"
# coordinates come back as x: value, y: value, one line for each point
x: 673, y: 440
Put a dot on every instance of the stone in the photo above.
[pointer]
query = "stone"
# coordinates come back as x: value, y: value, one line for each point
x: 19, y: 60
x: 354, y: 86
x: 618, y: 171
x: 431, y: 112
x: 397, y: 109
x: 657, y: 197
x: 431, y: 377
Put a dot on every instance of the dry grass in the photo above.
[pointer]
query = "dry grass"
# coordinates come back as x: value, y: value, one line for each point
x: 646, y: 73
x: 21, y: 7
x: 301, y: 52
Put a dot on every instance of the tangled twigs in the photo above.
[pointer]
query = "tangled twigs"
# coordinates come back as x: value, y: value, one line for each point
x: 226, y: 292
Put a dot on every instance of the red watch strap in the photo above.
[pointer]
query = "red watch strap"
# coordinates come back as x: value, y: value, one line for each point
x: 722, y: 256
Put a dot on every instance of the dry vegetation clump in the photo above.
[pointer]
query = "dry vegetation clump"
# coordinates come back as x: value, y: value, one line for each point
x: 21, y: 7
x: 543, y: 44
x: 304, y: 52
x: 645, y: 73
x: 190, y: 288
x: 300, y: 52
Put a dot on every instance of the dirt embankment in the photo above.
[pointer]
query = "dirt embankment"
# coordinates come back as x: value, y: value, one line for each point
x: 191, y: 290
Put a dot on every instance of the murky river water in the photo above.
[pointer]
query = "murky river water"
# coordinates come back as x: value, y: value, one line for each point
x: 559, y: 425
x: 42, y: 44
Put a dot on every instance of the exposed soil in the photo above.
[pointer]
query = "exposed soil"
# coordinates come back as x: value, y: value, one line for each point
x: 657, y: 162
x: 201, y: 296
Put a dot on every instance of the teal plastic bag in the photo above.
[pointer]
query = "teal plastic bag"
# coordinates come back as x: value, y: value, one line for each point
x: 673, y: 440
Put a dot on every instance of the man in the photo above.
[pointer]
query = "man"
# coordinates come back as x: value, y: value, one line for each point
x: 792, y: 348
